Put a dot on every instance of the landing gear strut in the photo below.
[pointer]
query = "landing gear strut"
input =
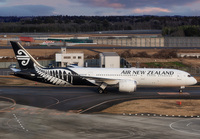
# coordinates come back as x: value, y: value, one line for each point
x: 102, y: 88
x: 181, y: 89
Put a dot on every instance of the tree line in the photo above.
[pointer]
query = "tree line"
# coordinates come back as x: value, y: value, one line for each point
x: 170, y: 25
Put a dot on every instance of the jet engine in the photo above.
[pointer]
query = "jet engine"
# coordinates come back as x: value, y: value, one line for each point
x: 127, y: 86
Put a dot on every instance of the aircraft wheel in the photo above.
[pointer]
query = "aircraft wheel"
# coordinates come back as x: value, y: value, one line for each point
x: 181, y: 89
x: 101, y: 91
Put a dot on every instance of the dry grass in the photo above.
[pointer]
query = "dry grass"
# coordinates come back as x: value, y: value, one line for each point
x: 45, y: 52
x: 16, y: 81
x: 49, y: 52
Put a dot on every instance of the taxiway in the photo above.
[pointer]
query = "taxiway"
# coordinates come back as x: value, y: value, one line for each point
x: 65, y: 112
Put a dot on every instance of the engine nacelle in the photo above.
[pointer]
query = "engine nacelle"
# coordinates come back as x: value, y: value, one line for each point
x: 127, y: 85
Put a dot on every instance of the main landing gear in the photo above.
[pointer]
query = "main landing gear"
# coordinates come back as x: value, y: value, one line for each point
x: 102, y: 88
x: 181, y: 89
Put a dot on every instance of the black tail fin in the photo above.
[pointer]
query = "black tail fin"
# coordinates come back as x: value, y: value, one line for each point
x: 25, y: 60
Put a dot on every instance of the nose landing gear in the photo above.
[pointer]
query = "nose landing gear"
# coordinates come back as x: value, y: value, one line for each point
x: 102, y: 88
x: 181, y: 89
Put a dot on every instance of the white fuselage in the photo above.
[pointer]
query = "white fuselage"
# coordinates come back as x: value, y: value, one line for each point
x: 143, y: 76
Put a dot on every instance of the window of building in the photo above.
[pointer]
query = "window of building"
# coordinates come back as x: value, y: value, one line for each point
x: 67, y: 57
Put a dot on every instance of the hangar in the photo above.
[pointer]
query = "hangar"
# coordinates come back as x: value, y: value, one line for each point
x: 109, y: 60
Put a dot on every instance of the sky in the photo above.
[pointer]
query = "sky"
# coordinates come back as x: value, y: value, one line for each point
x: 99, y: 7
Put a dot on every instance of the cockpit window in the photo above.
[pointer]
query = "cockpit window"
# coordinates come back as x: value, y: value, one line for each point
x: 189, y: 76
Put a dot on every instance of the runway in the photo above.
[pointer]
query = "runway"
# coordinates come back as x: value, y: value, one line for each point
x: 60, y: 112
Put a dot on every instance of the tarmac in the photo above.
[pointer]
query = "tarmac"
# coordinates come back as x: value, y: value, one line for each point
x: 73, y: 112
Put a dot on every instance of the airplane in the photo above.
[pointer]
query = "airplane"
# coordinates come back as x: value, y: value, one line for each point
x: 126, y: 79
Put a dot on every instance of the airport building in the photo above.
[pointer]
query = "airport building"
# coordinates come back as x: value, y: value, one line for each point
x: 109, y: 60
x: 63, y: 59
x: 106, y: 59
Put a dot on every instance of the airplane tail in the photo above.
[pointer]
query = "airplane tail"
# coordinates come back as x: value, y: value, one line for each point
x: 25, y: 60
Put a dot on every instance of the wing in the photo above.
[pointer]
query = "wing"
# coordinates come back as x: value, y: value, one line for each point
x: 99, y: 80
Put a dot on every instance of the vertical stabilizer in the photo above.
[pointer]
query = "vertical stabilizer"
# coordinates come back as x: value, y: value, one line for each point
x: 25, y: 60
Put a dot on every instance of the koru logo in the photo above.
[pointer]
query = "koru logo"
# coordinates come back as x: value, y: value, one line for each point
x: 23, y: 56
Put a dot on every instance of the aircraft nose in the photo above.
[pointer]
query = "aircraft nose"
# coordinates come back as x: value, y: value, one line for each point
x: 195, y: 81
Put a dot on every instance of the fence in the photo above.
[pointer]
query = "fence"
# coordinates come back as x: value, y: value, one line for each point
x: 5, y: 65
x: 131, y: 41
x: 148, y: 41
x: 182, y: 42
x: 5, y: 72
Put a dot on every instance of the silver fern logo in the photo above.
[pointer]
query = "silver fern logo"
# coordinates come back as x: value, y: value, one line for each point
x: 23, y: 57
